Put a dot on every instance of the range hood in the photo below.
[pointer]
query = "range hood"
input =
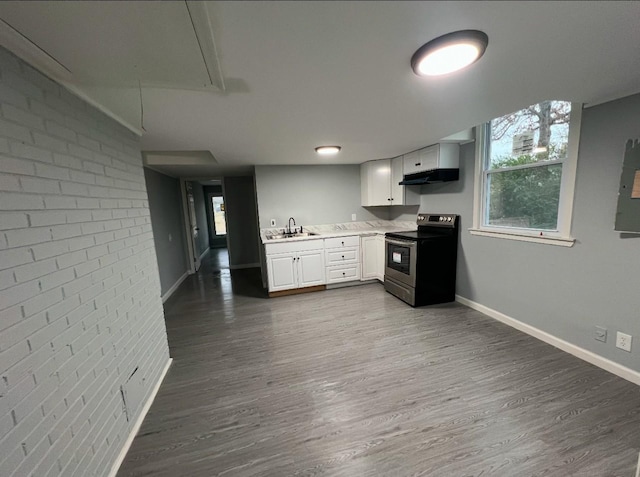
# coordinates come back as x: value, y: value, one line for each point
x: 429, y: 177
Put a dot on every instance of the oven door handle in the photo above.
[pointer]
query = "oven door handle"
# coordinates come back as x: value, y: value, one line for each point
x: 402, y: 243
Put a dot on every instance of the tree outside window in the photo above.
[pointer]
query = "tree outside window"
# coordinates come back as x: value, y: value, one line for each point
x: 523, y: 166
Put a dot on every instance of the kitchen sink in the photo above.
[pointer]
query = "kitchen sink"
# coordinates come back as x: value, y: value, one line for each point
x: 296, y: 235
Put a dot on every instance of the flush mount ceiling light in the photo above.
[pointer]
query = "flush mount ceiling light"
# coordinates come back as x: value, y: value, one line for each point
x: 449, y: 53
x: 328, y: 150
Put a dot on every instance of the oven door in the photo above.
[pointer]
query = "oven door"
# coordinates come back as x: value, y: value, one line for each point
x: 400, y: 258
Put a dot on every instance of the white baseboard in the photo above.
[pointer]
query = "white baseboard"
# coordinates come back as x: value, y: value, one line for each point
x: 127, y: 444
x: 204, y: 253
x: 175, y: 286
x: 246, y: 265
x: 586, y: 355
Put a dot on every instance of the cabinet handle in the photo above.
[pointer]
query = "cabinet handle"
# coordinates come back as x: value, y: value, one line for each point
x: 343, y: 273
x: 342, y: 243
x: 343, y: 257
x: 294, y: 259
x: 418, y: 163
x: 388, y: 199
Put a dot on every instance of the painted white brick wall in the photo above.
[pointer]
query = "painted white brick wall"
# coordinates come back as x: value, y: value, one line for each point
x: 80, y: 303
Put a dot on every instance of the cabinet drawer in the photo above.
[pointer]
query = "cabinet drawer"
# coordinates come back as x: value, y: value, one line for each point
x: 339, y: 242
x: 336, y: 256
x: 343, y: 274
x: 292, y: 247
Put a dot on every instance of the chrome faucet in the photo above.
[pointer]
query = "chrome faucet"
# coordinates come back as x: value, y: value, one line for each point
x: 294, y: 224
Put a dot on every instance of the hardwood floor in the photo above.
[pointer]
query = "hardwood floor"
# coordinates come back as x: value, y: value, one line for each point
x: 353, y: 382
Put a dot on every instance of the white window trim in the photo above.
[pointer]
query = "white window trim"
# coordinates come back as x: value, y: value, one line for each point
x: 562, y: 236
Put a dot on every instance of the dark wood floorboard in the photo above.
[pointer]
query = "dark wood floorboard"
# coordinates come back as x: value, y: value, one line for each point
x: 353, y: 382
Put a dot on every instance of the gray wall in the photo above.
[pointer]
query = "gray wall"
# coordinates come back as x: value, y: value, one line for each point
x: 80, y: 306
x: 202, y: 241
x: 168, y: 227
x: 313, y: 195
x: 242, y: 227
x: 563, y: 291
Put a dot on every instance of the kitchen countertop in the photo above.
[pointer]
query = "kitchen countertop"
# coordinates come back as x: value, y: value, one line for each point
x: 374, y: 227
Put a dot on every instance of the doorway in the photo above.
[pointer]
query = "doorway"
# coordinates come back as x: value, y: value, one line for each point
x: 217, y: 220
x: 192, y: 226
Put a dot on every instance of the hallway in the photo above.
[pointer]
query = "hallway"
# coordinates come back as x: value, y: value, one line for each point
x: 353, y: 382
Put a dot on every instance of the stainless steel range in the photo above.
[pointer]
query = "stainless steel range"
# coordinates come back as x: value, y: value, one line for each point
x: 421, y: 264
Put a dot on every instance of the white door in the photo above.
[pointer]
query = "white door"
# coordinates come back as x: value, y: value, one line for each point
x: 379, y: 182
x: 193, y: 224
x: 381, y: 254
x: 397, y: 191
x: 369, y: 257
x: 282, y: 269
x: 311, y: 271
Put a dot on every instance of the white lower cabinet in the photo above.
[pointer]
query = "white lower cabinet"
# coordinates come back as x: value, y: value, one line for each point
x: 282, y: 271
x: 342, y: 258
x: 295, y: 265
x: 310, y: 268
x: 373, y: 257
x: 343, y: 273
x: 308, y: 263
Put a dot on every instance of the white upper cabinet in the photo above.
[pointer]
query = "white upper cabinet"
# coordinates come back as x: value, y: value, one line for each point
x: 438, y: 156
x: 399, y: 193
x: 379, y: 184
x: 375, y: 182
x: 412, y: 162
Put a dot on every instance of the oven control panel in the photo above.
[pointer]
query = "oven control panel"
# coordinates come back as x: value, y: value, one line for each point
x: 441, y: 220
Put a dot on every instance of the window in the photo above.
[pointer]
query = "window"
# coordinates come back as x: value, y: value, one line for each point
x: 525, y: 173
x: 219, y: 222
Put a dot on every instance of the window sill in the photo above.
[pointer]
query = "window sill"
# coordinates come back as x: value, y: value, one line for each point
x: 559, y: 241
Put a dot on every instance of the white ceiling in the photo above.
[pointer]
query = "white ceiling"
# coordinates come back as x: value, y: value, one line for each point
x: 303, y: 74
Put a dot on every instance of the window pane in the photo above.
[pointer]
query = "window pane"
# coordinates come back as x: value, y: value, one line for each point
x: 525, y: 198
x: 218, y: 215
x: 534, y: 134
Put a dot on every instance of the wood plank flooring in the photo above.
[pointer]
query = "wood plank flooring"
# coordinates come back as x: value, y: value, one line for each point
x: 353, y: 382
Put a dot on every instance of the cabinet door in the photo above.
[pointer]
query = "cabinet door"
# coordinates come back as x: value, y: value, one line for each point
x: 402, y: 195
x: 429, y: 157
x: 311, y: 271
x: 282, y: 270
x: 370, y: 257
x: 412, y: 162
x: 397, y: 191
x: 380, y: 252
x: 378, y: 182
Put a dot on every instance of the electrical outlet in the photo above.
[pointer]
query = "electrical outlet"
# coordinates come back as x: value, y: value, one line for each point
x: 623, y: 341
x: 273, y: 222
x: 353, y: 217
x: 170, y: 238
x: 600, y: 334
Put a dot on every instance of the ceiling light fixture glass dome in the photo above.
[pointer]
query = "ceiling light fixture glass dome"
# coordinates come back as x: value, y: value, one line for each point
x: 449, y: 53
x: 328, y: 150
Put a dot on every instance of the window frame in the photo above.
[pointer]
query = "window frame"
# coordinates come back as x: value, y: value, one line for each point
x: 562, y: 235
